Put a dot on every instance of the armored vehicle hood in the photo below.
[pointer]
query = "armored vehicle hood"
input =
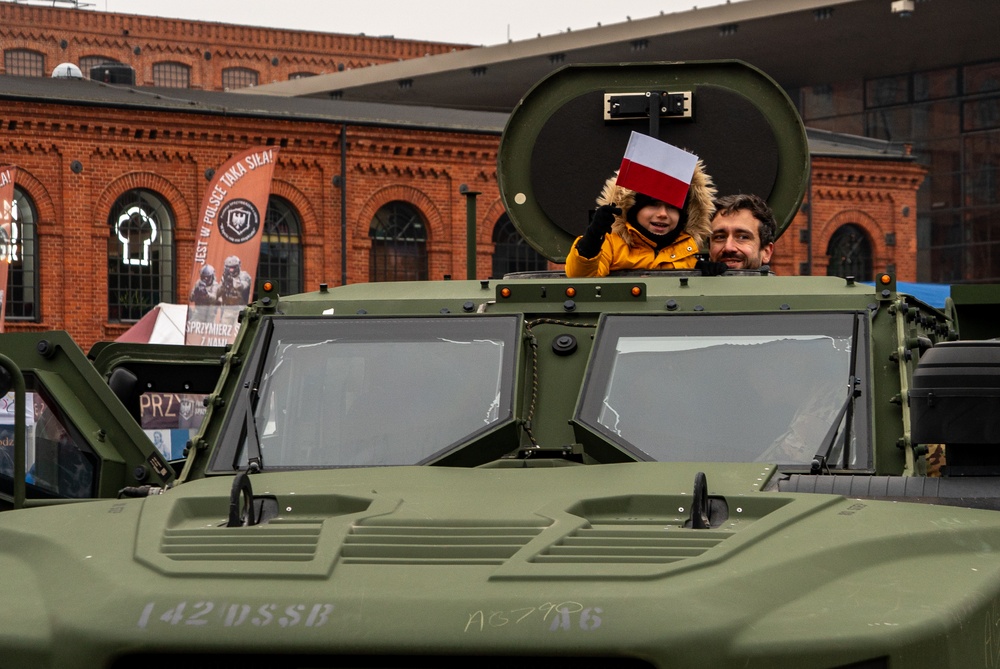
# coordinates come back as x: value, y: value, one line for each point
x: 413, y: 564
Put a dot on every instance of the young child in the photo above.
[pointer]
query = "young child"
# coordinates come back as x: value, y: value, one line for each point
x: 632, y: 230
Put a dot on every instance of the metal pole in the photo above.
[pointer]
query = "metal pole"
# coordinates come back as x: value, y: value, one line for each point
x: 654, y: 114
x: 470, y: 227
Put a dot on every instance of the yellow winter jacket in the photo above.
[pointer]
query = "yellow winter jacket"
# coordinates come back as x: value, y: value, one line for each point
x: 617, y: 254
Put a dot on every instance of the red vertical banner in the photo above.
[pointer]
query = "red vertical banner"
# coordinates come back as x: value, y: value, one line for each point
x: 231, y: 223
x: 10, y: 233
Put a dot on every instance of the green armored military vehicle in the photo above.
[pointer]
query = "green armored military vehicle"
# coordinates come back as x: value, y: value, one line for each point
x: 660, y: 470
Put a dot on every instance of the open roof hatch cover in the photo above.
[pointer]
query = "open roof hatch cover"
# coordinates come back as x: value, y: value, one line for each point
x: 569, y: 133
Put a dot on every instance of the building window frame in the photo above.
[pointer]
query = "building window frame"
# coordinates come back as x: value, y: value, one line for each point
x: 24, y: 63
x: 141, y: 270
x: 235, y: 78
x: 850, y: 252
x: 398, y: 236
x: 280, y: 259
x: 512, y: 253
x: 89, y: 62
x: 171, y: 74
x: 19, y: 244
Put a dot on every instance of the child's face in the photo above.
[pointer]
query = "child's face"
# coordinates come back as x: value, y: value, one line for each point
x: 658, y: 217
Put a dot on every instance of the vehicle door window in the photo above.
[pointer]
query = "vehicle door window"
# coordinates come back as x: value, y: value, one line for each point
x: 58, y: 461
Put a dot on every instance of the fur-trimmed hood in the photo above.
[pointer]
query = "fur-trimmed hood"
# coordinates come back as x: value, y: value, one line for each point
x: 700, y: 206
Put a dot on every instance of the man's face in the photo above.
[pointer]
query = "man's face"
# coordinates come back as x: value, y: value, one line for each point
x: 658, y: 217
x: 735, y: 241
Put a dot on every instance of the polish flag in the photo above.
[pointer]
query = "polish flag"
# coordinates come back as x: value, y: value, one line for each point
x: 657, y: 169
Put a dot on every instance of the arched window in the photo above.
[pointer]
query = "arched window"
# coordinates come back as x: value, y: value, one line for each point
x: 19, y: 247
x: 399, y: 244
x: 238, y: 77
x: 89, y: 62
x: 140, y: 255
x: 280, y: 253
x: 511, y: 253
x: 24, y: 63
x: 850, y: 253
x: 171, y: 75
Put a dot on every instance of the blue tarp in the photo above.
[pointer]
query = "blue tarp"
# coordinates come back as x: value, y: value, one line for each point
x: 933, y: 294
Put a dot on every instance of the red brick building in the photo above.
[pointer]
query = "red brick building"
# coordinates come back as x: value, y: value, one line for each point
x: 380, y: 182
x: 186, y: 54
x: 859, y: 216
x: 87, y: 152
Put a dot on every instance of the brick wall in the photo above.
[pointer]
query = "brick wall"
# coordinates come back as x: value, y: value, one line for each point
x: 67, y: 35
x: 168, y: 153
x: 878, y: 196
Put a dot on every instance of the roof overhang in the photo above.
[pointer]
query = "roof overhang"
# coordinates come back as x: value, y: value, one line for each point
x: 797, y: 42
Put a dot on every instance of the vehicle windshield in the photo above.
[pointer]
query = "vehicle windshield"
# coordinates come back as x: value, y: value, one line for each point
x: 735, y: 388
x: 338, y: 392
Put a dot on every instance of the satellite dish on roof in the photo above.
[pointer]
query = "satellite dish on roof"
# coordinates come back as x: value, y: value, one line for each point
x: 67, y: 71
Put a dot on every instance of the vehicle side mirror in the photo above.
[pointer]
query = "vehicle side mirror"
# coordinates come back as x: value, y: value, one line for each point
x: 124, y: 384
x: 6, y: 382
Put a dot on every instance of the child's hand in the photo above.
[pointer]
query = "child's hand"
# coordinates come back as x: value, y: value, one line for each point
x: 604, y: 217
x: 589, y: 244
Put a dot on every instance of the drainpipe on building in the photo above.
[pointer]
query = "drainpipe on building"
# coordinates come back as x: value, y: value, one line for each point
x: 470, y: 230
x: 343, y: 205
x: 809, y: 224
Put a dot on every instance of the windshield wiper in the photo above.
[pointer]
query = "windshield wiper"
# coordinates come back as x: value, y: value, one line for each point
x: 819, y: 461
x: 255, y: 461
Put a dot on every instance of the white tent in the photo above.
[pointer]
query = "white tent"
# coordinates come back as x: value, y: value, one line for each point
x: 163, y: 324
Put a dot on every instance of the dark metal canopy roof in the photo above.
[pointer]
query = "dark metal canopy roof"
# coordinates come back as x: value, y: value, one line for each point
x: 797, y: 42
x: 83, y: 92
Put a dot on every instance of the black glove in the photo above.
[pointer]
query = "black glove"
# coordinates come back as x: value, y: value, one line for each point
x: 600, y: 225
x: 711, y: 268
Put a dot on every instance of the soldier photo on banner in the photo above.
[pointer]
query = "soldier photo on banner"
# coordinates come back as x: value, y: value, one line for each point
x: 236, y: 283
x: 228, y: 247
x: 9, y: 233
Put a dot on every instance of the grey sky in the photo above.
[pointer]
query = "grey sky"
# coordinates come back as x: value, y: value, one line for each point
x: 457, y: 21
